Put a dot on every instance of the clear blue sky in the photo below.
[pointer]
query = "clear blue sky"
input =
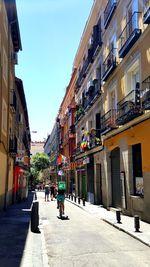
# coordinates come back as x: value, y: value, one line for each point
x: 50, y: 34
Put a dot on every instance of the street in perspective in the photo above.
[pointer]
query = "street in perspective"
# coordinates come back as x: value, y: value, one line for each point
x: 86, y: 240
x: 90, y: 236
x: 74, y: 133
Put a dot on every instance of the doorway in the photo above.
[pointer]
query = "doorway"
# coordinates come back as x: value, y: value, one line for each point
x: 115, y: 178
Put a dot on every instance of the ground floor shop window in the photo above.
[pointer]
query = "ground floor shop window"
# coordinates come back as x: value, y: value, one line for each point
x: 137, y: 170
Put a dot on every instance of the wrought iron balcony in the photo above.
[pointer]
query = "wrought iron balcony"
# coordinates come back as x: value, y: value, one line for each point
x: 13, y: 101
x: 146, y: 17
x: 145, y: 94
x: 109, y: 64
x: 109, y: 11
x: 108, y: 121
x: 88, y: 60
x: 92, y: 94
x: 129, y: 107
x: 79, y: 113
x: 129, y: 35
x: 84, y: 69
x: 72, y: 129
x: 95, y: 93
x: 13, y: 144
x: 25, y: 140
x: 77, y: 150
x: 95, y: 138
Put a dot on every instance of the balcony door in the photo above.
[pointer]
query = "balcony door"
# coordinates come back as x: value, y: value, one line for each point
x: 129, y: 20
x: 132, y: 77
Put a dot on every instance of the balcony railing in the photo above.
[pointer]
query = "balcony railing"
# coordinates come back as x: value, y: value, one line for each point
x: 13, y: 144
x: 146, y: 17
x: 77, y: 150
x: 129, y: 107
x: 95, y: 139
x: 25, y: 140
x: 109, y: 64
x: 85, y: 68
x: 72, y: 129
x: 13, y: 101
x: 108, y: 121
x: 109, y: 11
x: 92, y: 94
x: 145, y: 94
x: 79, y: 113
x: 129, y: 35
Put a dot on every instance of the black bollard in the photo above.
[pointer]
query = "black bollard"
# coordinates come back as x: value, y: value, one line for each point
x: 69, y: 196
x: 72, y: 197
x: 35, y: 217
x: 75, y: 198
x: 137, y: 223
x: 83, y: 201
x: 35, y: 195
x: 78, y: 200
x: 118, y: 216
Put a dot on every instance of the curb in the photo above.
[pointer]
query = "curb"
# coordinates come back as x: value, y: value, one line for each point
x: 127, y: 232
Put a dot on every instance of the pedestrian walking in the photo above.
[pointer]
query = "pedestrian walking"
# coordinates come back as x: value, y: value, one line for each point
x: 46, y: 192
x: 52, y: 191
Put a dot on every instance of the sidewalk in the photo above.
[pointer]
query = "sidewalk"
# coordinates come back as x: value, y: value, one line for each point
x: 19, y: 247
x: 126, y: 225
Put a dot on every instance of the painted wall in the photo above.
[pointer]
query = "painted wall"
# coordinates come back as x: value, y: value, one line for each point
x: 3, y: 160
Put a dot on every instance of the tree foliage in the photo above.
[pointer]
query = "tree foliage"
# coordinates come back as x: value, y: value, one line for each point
x: 39, y: 162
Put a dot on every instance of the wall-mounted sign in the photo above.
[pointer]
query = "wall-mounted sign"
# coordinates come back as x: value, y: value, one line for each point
x: 86, y: 160
x: 139, y: 186
x: 20, y: 156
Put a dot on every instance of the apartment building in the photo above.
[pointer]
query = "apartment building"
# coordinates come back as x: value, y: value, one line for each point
x: 113, y: 68
x: 10, y: 45
x: 89, y: 108
x: 51, y: 148
x: 67, y: 134
x: 112, y: 126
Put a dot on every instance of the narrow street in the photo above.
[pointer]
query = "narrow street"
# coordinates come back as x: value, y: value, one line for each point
x: 85, y: 240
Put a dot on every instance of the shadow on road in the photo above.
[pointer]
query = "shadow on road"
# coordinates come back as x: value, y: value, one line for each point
x: 14, y: 225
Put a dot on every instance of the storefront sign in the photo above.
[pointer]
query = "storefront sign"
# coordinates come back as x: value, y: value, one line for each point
x: 20, y: 156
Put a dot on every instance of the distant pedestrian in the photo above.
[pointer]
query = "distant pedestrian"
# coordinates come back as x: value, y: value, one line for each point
x: 52, y: 191
x: 46, y: 193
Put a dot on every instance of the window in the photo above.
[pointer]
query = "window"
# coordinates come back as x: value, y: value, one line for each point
x: 112, y: 98
x: 5, y: 66
x: 4, y: 117
x: 132, y: 77
x: 5, y: 20
x: 137, y: 170
x: 89, y: 125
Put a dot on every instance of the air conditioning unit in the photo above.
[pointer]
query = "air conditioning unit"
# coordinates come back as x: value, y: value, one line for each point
x: 14, y: 57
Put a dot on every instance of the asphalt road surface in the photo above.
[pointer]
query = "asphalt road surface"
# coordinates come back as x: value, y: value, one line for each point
x: 86, y: 241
